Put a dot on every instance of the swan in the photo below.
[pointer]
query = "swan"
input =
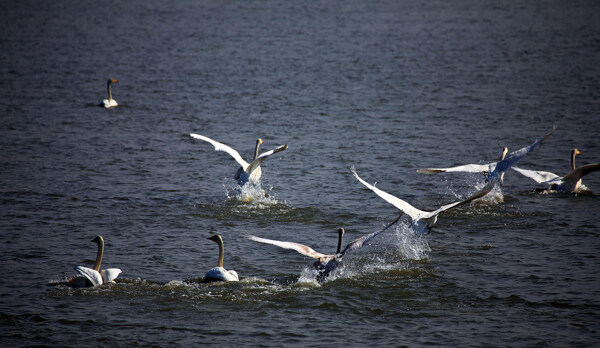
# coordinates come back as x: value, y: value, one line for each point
x: 94, y: 275
x: 569, y: 183
x: 325, y: 263
x: 110, y: 102
x: 493, y: 169
x: 248, y: 172
x: 424, y: 220
x: 219, y: 273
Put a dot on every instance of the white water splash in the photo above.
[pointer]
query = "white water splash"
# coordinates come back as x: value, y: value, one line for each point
x: 410, y: 244
x: 253, y: 194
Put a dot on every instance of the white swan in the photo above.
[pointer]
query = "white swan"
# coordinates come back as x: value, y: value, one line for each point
x: 219, y: 273
x: 570, y: 182
x: 495, y: 169
x: 423, y: 221
x: 325, y: 262
x: 248, y: 172
x: 94, y: 275
x: 110, y: 102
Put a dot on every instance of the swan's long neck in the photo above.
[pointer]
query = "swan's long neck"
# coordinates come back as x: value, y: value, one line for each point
x: 221, y: 251
x: 339, y: 247
x: 502, y: 157
x: 100, y: 243
x: 109, y: 91
x: 258, y: 142
x: 573, y: 154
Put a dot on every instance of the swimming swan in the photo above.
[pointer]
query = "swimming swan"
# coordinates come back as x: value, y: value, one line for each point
x: 94, y: 275
x: 248, y: 172
x: 569, y: 183
x: 423, y: 221
x: 110, y: 102
x: 219, y: 273
x: 493, y: 168
x: 325, y: 262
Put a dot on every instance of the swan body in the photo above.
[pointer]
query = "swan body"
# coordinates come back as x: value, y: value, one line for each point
x: 248, y: 172
x: 492, y: 169
x: 95, y: 275
x: 325, y: 262
x: 110, y: 102
x: 569, y: 183
x: 219, y: 273
x: 422, y: 221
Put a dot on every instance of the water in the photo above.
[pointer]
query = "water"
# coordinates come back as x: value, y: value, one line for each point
x: 388, y: 87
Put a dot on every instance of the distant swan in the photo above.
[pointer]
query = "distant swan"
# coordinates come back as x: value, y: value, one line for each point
x: 110, y: 102
x: 496, y: 169
x: 219, y: 273
x: 326, y: 262
x: 94, y: 275
x: 422, y: 221
x: 570, y: 182
x: 248, y: 172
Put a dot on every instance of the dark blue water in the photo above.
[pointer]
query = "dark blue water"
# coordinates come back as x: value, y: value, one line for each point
x: 389, y: 87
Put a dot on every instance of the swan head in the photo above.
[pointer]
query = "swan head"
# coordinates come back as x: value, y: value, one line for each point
x: 504, y: 153
x: 576, y: 152
x: 341, y: 232
x: 98, y: 240
x: 259, y: 141
x: 216, y: 238
x: 112, y: 81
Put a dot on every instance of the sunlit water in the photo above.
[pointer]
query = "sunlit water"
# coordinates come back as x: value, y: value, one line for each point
x: 388, y: 87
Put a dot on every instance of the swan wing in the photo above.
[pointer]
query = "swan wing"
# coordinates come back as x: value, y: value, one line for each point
x: 302, y: 249
x: 263, y: 156
x: 468, y: 168
x: 515, y: 156
x: 484, y: 191
x: 222, y: 147
x: 110, y: 274
x: 357, y: 243
x: 537, y: 175
x: 414, y: 213
x: 91, y: 274
x: 582, y: 171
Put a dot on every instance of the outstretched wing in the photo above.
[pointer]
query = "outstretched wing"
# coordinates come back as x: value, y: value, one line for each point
x: 484, y: 191
x: 537, y: 175
x: 468, y: 168
x: 110, y: 274
x: 91, y: 274
x: 414, y: 213
x: 263, y: 156
x: 357, y: 243
x: 515, y: 156
x: 302, y: 249
x: 582, y: 171
x: 222, y: 147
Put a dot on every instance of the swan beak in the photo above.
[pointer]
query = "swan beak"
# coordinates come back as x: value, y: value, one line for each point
x: 114, y: 81
x: 577, y: 152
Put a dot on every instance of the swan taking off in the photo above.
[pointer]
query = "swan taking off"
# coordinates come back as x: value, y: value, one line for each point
x: 219, y: 273
x: 110, y: 102
x: 569, y: 183
x: 94, y: 275
x: 493, y: 169
x: 248, y: 172
x: 423, y: 221
x: 325, y: 263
